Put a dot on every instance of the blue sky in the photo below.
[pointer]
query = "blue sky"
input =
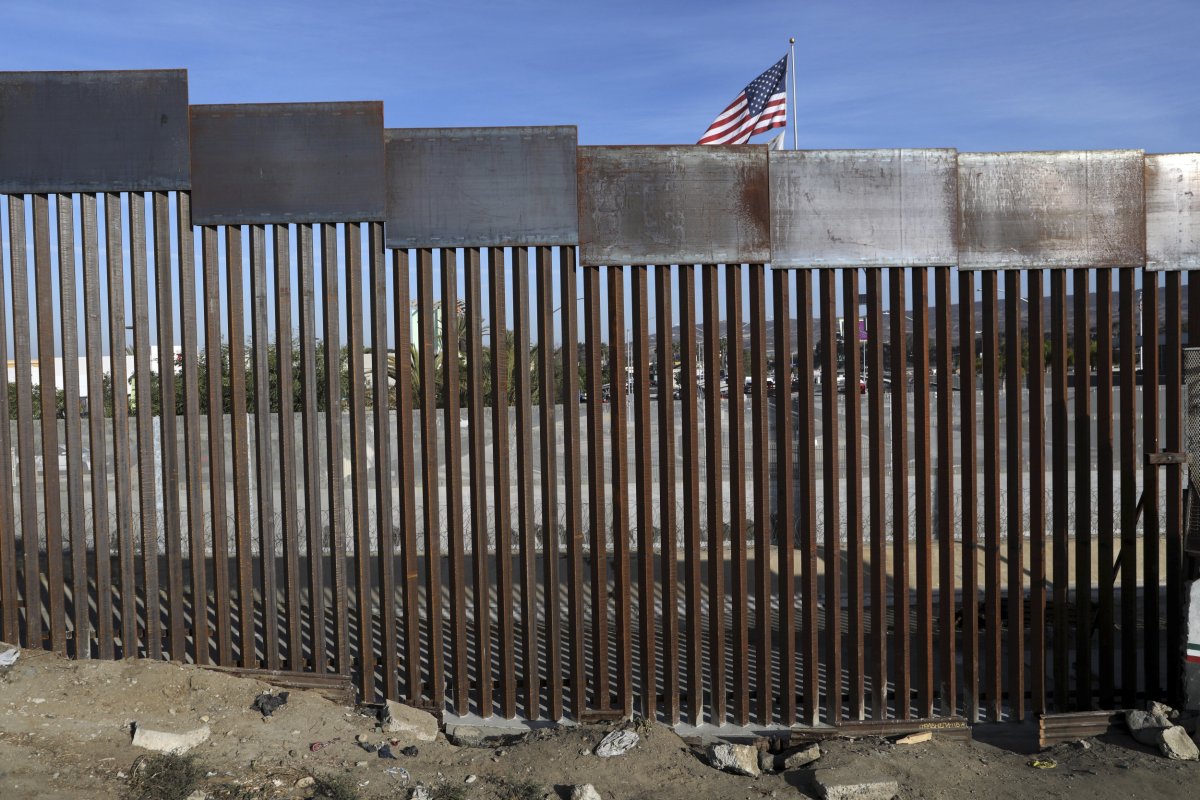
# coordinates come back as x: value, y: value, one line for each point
x: 1056, y: 74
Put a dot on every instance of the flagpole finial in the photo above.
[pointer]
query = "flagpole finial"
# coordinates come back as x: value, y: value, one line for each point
x: 792, y: 40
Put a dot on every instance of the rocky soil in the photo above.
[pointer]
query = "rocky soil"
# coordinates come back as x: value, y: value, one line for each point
x: 66, y: 730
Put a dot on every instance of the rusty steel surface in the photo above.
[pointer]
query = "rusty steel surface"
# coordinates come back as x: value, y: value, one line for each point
x: 1060, y: 209
x: 287, y: 162
x: 480, y: 187
x: 93, y: 131
x: 864, y: 208
x: 1173, y: 211
x: 673, y: 205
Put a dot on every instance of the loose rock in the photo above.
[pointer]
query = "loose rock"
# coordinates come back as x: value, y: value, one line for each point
x: 1175, y: 744
x: 801, y: 757
x: 850, y: 784
x: 415, y: 723
x: 173, y: 743
x: 766, y: 760
x: 419, y: 793
x: 305, y: 782
x: 584, y: 791
x: 1147, y: 726
x: 617, y: 743
x: 740, y: 759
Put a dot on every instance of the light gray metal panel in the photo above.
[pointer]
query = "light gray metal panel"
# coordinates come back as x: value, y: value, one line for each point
x: 481, y: 187
x: 1173, y: 211
x: 864, y: 208
x: 1064, y: 209
x: 684, y: 204
x: 287, y: 162
x: 93, y: 131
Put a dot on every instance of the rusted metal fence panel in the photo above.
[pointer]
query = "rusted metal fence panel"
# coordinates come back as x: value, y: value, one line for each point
x: 1066, y: 209
x: 480, y: 187
x: 864, y: 208
x: 324, y: 522
x: 673, y: 205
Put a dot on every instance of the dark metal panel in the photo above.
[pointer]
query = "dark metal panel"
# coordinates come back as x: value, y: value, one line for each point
x: 287, y: 162
x: 673, y: 204
x: 475, y: 187
x: 864, y: 208
x: 1061, y: 209
x: 1173, y: 211
x: 90, y: 131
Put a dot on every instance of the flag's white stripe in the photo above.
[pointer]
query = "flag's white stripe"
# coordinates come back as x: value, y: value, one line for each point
x: 723, y: 122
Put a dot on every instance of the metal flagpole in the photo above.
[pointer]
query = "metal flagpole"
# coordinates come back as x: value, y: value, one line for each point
x: 795, y: 131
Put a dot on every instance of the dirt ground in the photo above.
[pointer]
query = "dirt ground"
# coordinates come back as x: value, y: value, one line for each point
x: 65, y: 732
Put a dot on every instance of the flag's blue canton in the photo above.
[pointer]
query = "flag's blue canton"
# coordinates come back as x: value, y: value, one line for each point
x: 760, y: 90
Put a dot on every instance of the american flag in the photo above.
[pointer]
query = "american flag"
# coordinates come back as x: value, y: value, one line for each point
x: 760, y: 107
